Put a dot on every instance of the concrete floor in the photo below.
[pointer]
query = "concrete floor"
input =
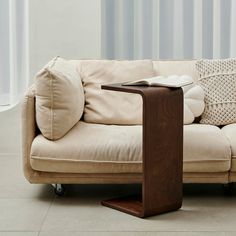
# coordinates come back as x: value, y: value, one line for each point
x: 31, y: 210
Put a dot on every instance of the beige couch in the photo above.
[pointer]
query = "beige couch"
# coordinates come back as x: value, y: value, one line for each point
x: 105, y: 153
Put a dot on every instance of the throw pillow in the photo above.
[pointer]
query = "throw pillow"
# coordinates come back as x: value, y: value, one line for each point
x: 218, y: 80
x: 193, y: 102
x: 59, y: 98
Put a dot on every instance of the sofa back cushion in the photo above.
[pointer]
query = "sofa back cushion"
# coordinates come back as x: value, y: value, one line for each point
x: 109, y: 107
x: 178, y: 67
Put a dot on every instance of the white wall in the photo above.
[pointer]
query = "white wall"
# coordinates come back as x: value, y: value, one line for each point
x: 10, y: 131
x: 68, y: 28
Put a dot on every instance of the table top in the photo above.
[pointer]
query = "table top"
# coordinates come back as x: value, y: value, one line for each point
x: 137, y: 89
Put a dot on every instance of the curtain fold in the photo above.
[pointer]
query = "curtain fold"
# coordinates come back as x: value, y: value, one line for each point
x: 13, y: 51
x: 176, y: 29
x: 232, y: 51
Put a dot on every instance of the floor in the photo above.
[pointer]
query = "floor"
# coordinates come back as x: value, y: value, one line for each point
x: 30, y: 210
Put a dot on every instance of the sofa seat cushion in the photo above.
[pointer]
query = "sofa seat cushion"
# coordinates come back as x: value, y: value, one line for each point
x: 206, y: 149
x: 90, y: 148
x: 96, y: 148
x: 230, y: 133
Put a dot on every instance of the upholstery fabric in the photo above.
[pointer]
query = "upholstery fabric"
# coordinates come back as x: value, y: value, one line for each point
x: 99, y: 104
x: 90, y: 148
x: 109, y: 107
x: 208, y: 177
x: 59, y: 98
x: 230, y: 133
x: 96, y: 148
x: 232, y: 177
x: 217, y: 78
x: 29, y: 129
x: 193, y: 102
x: 206, y: 149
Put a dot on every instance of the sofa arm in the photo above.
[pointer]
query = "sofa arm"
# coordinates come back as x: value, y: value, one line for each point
x: 28, y: 130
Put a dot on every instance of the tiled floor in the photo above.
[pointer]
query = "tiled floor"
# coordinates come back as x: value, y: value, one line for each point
x: 30, y: 210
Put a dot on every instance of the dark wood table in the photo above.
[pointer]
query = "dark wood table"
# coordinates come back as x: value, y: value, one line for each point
x: 162, y: 152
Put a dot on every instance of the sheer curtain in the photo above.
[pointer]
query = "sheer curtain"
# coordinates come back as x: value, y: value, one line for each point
x: 176, y: 29
x: 13, y: 51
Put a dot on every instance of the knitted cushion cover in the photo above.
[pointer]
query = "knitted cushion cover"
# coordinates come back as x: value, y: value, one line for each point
x: 218, y: 80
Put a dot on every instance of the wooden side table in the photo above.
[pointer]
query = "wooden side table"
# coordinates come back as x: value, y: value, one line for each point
x: 162, y: 152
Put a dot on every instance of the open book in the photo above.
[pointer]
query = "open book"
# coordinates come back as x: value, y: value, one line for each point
x: 174, y: 81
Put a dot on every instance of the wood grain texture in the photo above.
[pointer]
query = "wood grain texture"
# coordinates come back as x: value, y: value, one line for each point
x: 129, y: 204
x: 162, y: 152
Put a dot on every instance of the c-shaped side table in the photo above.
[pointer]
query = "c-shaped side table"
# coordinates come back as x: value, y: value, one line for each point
x: 162, y: 152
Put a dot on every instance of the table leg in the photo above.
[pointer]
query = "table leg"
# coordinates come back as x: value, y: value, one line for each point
x: 162, y: 156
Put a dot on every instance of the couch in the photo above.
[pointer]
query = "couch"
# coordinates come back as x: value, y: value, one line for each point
x: 105, y: 150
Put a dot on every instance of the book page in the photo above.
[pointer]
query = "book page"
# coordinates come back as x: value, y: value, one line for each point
x: 147, y: 81
x: 173, y: 81
x: 170, y: 81
x: 154, y: 79
x: 136, y: 82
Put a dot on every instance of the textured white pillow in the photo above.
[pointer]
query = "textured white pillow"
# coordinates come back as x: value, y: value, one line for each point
x: 59, y: 98
x: 193, y: 103
x: 218, y: 80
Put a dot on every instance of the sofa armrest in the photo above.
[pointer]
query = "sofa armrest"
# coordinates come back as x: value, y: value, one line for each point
x: 28, y: 130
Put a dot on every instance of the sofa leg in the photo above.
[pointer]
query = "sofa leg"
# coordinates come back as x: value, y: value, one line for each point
x: 228, y: 188
x: 59, y: 189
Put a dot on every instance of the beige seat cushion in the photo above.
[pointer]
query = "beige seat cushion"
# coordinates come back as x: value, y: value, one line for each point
x: 90, y: 148
x: 206, y: 149
x: 59, y: 98
x: 95, y: 148
x: 230, y: 133
x: 109, y: 107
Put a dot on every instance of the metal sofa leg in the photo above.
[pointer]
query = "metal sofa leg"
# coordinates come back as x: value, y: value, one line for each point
x: 59, y: 189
